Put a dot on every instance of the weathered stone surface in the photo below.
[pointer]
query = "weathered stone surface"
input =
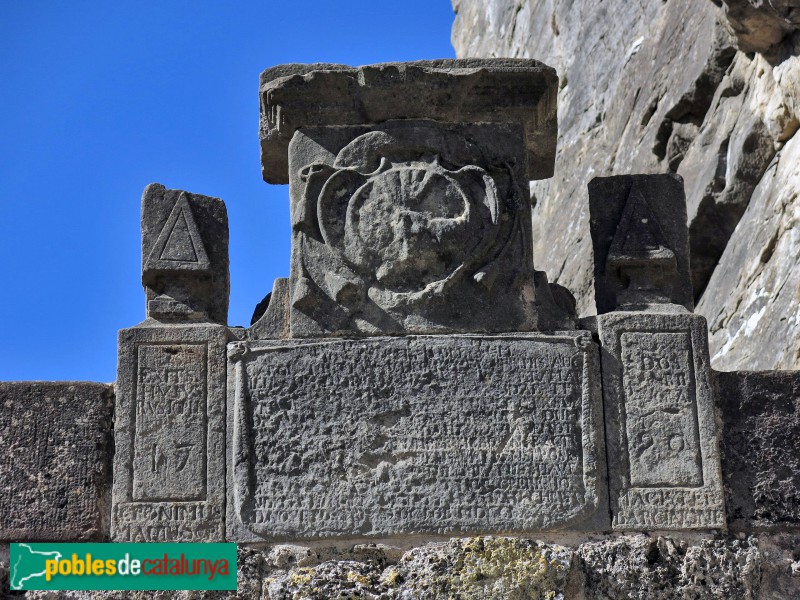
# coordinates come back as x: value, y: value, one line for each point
x: 662, y: 568
x: 184, y: 255
x: 169, y: 466
x: 640, y: 241
x: 761, y: 448
x: 764, y: 26
x: 479, y: 568
x: 55, y: 460
x: 780, y: 566
x: 663, y: 455
x: 411, y: 227
x: 5, y: 582
x: 273, y: 322
x: 753, y: 300
x: 416, y: 434
x: 450, y: 91
x: 754, y: 112
x: 657, y: 87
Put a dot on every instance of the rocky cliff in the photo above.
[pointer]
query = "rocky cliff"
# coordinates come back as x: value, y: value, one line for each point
x: 711, y: 92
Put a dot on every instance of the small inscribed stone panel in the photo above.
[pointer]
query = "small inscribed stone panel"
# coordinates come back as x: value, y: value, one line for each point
x: 663, y: 442
x: 169, y: 467
x: 169, y: 443
x: 426, y: 434
x: 663, y: 456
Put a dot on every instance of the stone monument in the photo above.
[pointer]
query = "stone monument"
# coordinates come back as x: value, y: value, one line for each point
x: 410, y: 218
x: 169, y: 466
x: 664, y: 465
x: 415, y: 376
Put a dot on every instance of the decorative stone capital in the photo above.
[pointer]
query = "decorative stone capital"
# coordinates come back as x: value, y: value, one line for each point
x: 504, y: 90
x: 408, y: 184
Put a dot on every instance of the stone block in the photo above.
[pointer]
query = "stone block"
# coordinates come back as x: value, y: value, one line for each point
x: 640, y: 241
x: 503, y: 90
x: 470, y: 568
x: 55, y: 466
x: 663, y: 454
x: 410, y: 227
x: 169, y: 466
x: 761, y: 448
x: 432, y: 434
x: 273, y: 320
x: 667, y: 568
x: 184, y: 255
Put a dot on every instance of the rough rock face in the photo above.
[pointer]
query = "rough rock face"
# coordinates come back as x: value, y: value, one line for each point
x: 673, y: 87
x: 753, y: 299
x: 765, y: 26
x: 663, y: 568
x: 761, y: 423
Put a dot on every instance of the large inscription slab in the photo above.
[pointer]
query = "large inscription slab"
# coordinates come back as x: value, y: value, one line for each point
x: 415, y: 434
x: 663, y: 457
x: 169, y: 467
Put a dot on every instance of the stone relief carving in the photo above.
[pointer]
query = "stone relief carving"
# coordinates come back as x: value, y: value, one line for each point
x: 640, y: 242
x: 660, y: 410
x: 640, y: 258
x: 411, y: 229
x: 184, y: 256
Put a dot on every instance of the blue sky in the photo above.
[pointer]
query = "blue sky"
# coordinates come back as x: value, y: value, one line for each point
x: 98, y: 99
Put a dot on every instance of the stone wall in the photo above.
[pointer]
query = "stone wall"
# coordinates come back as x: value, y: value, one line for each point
x: 757, y: 558
x: 711, y: 93
x: 55, y: 462
x: 498, y: 568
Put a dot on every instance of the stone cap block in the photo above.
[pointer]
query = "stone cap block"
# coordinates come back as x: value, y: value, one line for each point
x: 185, y: 265
x: 640, y: 241
x: 448, y: 90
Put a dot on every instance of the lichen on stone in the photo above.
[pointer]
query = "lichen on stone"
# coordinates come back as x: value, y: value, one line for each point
x: 487, y: 568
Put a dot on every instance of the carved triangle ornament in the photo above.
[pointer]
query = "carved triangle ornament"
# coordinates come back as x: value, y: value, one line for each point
x: 638, y: 240
x: 179, y: 246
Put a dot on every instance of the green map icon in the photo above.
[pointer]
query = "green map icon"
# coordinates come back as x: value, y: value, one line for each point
x: 27, y: 565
